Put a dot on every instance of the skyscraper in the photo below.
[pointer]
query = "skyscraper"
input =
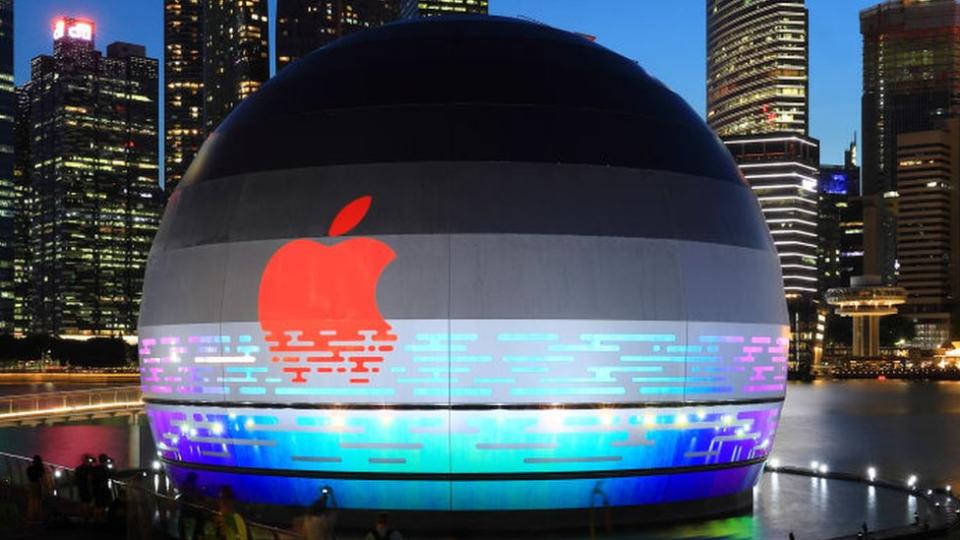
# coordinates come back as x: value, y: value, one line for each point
x: 782, y: 171
x: 236, y: 59
x: 429, y: 8
x: 183, y: 86
x: 7, y: 190
x: 757, y: 103
x: 840, y: 223
x: 94, y: 183
x: 305, y: 25
x: 911, y: 79
x: 757, y: 67
x: 24, y: 211
x: 928, y: 230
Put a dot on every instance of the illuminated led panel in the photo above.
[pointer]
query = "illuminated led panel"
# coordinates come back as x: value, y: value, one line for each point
x: 477, y: 322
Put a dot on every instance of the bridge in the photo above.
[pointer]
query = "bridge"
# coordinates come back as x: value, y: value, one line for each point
x: 70, y: 406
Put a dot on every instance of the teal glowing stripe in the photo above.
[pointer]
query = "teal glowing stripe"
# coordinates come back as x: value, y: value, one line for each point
x: 253, y: 390
x: 712, y: 369
x: 709, y: 389
x: 236, y: 379
x: 527, y: 337
x: 424, y: 359
x: 245, y: 339
x: 421, y: 380
x: 224, y: 339
x: 703, y: 358
x: 247, y: 349
x: 593, y: 347
x: 676, y: 379
x: 308, y: 391
x: 628, y: 337
x: 642, y: 358
x: 548, y: 358
x: 495, y: 380
x: 661, y: 390
x: 446, y: 337
x: 471, y: 358
x: 235, y: 369
x: 684, y: 348
x: 434, y: 347
x: 441, y: 369
x: 454, y: 392
x: 634, y: 369
x: 530, y: 369
x: 573, y: 390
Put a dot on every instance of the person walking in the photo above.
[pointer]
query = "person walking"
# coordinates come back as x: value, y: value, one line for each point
x: 321, y: 519
x: 100, y: 484
x: 230, y: 524
x: 37, y: 475
x: 191, y: 516
x: 381, y: 529
x: 83, y: 478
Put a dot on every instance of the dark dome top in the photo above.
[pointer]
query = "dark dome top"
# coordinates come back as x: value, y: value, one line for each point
x: 463, y: 89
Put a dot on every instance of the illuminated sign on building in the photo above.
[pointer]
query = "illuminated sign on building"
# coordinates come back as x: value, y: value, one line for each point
x: 73, y: 29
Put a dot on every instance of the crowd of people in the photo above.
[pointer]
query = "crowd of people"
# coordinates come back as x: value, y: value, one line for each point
x: 100, y: 505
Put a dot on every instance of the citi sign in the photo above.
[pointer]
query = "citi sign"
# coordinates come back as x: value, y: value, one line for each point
x: 73, y: 29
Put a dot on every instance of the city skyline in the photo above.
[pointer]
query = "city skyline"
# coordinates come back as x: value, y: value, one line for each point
x: 835, y: 45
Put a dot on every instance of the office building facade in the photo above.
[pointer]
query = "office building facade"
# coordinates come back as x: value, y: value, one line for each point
x: 236, y: 58
x: 429, y: 8
x: 93, y: 182
x: 306, y: 25
x: 911, y: 81
x: 840, y: 223
x: 757, y: 67
x: 928, y: 230
x: 7, y: 187
x: 183, y: 86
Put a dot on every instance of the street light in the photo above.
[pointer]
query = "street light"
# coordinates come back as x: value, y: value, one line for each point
x: 872, y: 473
x: 912, y: 481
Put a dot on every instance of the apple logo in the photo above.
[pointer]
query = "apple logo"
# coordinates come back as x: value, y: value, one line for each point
x: 317, y: 303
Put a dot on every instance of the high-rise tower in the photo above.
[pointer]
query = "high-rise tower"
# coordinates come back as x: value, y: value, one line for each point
x: 305, y: 25
x: 429, y: 8
x: 757, y: 103
x: 757, y: 66
x: 183, y: 86
x: 911, y: 81
x: 236, y: 59
x: 94, y: 186
x: 7, y: 190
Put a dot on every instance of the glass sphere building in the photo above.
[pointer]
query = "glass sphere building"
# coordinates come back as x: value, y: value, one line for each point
x: 465, y: 265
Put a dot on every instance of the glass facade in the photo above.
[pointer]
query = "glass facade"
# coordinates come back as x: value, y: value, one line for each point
x: 910, y: 82
x: 183, y: 86
x: 928, y: 167
x: 7, y: 190
x: 93, y: 182
x: 840, y: 224
x: 429, y: 8
x: 757, y: 77
x: 305, y: 25
x: 236, y: 59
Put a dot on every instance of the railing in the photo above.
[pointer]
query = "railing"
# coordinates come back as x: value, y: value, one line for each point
x: 50, y: 405
x: 149, y: 501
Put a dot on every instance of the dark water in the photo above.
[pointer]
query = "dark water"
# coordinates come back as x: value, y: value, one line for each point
x: 41, y: 387
x: 901, y: 428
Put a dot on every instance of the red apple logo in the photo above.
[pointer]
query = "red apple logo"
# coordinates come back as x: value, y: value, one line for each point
x: 318, y: 303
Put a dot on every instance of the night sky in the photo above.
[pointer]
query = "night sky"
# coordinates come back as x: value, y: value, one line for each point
x: 667, y: 38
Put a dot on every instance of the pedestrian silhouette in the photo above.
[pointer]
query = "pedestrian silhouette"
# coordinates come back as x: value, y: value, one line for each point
x: 37, y: 475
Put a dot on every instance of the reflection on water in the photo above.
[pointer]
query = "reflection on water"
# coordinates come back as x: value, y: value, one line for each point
x: 901, y: 428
